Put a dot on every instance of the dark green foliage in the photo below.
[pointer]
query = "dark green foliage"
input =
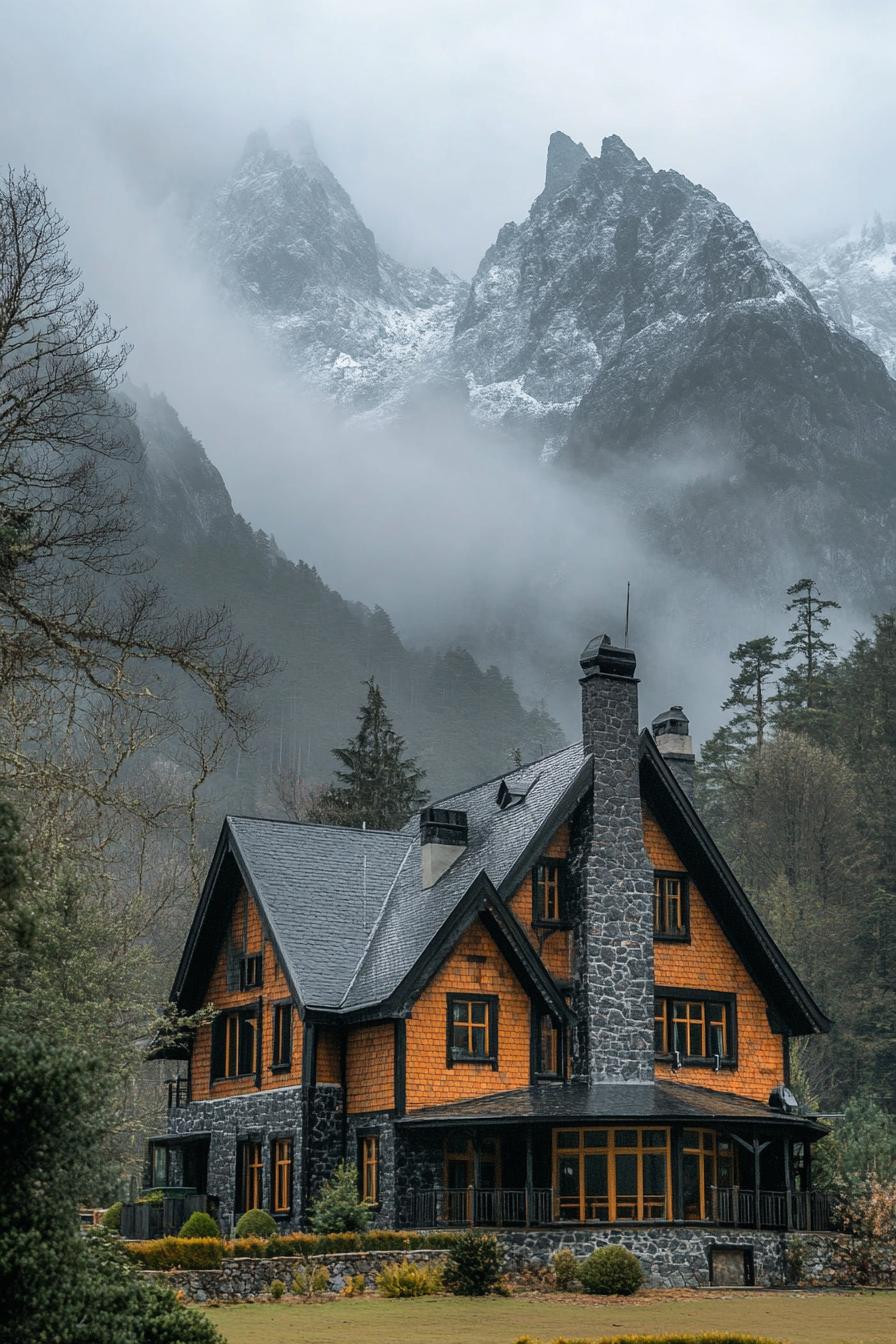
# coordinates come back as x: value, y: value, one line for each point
x: 338, y: 1207
x: 255, y: 1223
x: 378, y: 785
x: 611, y: 1270
x: 177, y: 1252
x: 278, y: 1288
x: 804, y: 692
x: 200, y: 1224
x: 112, y: 1217
x: 861, y: 1146
x: 474, y: 1265
x: 566, y: 1269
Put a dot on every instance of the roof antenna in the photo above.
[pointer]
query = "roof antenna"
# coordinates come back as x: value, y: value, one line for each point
x: 628, y: 593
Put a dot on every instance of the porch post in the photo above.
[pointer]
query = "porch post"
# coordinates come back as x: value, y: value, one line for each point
x: 788, y: 1183
x: 807, y: 1181
x: 756, y: 1179
x: 676, y: 1175
x: 529, y: 1181
x: 477, y: 1178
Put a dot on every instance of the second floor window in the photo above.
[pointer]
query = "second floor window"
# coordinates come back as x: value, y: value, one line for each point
x: 548, y: 1047
x: 548, y: 894
x: 234, y: 1044
x: 472, y: 1029
x: 281, y: 1048
x: 697, y: 1030
x: 670, y: 905
x: 250, y: 971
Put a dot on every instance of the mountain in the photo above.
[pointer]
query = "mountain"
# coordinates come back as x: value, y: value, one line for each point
x: 853, y: 279
x: 462, y: 722
x: 287, y: 244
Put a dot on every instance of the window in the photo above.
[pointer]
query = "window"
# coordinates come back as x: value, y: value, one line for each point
x: 548, y: 1062
x: 249, y: 1170
x: 612, y: 1175
x: 281, y: 1176
x: 699, y: 1030
x: 281, y: 1048
x: 707, y: 1161
x: 548, y: 895
x: 472, y: 1029
x: 250, y: 971
x: 369, y: 1168
x: 670, y: 906
x: 235, y: 1044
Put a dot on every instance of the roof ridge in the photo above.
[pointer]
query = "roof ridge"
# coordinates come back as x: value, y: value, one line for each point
x: 313, y: 825
x: 526, y: 765
x: 376, y: 924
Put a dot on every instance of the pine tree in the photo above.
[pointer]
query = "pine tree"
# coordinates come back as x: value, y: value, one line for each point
x: 378, y: 786
x: 805, y: 690
x: 757, y: 661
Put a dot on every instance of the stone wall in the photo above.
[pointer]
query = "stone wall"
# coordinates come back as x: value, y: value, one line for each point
x: 325, y: 1135
x: 241, y: 1279
x: 379, y: 1123
x: 263, y: 1116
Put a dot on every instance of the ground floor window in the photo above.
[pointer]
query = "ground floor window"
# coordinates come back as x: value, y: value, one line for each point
x: 250, y: 1164
x: 612, y: 1175
x: 707, y: 1161
x: 369, y: 1168
x: 281, y: 1176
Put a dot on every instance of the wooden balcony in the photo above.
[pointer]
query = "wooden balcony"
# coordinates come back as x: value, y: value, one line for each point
x: 779, y: 1210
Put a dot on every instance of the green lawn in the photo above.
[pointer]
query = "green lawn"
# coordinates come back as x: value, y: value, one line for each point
x: 800, y: 1318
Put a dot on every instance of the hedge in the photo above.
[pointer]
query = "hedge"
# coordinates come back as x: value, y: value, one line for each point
x: 182, y: 1253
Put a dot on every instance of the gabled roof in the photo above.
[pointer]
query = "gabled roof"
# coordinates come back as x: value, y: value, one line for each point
x: 726, y: 898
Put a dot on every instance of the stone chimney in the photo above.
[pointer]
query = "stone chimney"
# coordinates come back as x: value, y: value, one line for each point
x: 672, y: 733
x: 614, y: 940
x: 443, y: 838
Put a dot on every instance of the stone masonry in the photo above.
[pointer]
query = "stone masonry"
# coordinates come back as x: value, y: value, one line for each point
x: 614, y: 934
x: 380, y: 1124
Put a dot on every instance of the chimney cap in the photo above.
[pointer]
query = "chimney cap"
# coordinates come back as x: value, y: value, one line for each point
x: 601, y: 657
x: 673, y: 723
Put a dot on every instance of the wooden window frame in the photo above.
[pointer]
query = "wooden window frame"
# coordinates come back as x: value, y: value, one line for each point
x: 280, y: 1063
x: 706, y: 1146
x: 490, y: 1058
x: 705, y: 999
x: 661, y: 932
x: 557, y: 868
x: 611, y: 1150
x: 540, y: 1071
x: 251, y: 971
x: 369, y: 1168
x: 230, y: 1048
x: 250, y: 1174
x: 282, y: 1150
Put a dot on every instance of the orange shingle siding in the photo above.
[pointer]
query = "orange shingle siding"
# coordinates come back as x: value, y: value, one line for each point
x: 429, y: 1080
x: 709, y: 961
x: 555, y: 949
x: 245, y: 933
x: 370, y: 1068
x: 329, y: 1066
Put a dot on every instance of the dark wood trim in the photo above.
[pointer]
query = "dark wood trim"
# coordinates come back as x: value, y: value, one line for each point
x: 685, y: 881
x: 259, y: 1040
x: 399, y: 1059
x: 309, y: 1048
x: 283, y: 1066
x: 686, y: 994
x: 677, y: 1172
x: 561, y: 866
x: 491, y: 1025
x: 343, y: 1083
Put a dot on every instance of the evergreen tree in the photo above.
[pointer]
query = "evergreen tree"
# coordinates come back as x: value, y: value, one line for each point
x: 757, y: 661
x: 379, y: 786
x: 805, y: 689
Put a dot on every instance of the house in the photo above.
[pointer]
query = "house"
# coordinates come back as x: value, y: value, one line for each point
x: 545, y: 1002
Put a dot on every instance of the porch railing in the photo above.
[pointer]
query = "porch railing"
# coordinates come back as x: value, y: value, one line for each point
x: 471, y: 1207
x: 161, y: 1218
x: 801, y: 1210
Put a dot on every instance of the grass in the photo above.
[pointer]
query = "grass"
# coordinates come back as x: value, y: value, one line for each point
x: 799, y: 1318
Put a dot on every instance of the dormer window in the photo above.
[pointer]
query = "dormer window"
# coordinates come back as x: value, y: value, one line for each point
x: 548, y: 892
x: 670, y: 906
x: 251, y: 971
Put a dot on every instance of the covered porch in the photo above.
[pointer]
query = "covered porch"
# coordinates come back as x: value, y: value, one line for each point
x: 611, y: 1154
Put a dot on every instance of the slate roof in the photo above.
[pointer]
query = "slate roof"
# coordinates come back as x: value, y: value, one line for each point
x: 659, y: 1101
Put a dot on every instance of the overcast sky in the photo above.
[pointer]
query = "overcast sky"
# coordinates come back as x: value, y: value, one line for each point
x: 435, y: 114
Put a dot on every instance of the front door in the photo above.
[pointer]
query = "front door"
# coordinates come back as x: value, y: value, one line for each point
x: 462, y: 1188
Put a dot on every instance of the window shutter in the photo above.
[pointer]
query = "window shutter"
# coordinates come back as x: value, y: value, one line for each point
x: 219, y: 1026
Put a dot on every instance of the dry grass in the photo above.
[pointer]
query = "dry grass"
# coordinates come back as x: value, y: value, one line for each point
x: 795, y: 1317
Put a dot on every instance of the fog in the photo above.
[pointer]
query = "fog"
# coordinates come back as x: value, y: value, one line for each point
x: 435, y: 118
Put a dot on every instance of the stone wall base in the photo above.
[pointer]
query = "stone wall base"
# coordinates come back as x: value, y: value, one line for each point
x: 241, y: 1279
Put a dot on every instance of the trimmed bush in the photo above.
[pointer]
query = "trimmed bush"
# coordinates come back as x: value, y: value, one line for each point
x: 278, y: 1288
x: 406, y: 1279
x: 474, y: 1265
x: 111, y: 1219
x: 611, y: 1270
x: 177, y: 1252
x: 200, y: 1224
x: 253, y: 1248
x: 255, y: 1223
x: 566, y: 1269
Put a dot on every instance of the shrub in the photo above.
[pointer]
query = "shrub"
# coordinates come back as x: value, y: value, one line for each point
x: 310, y: 1280
x: 566, y: 1269
x: 152, y: 1197
x: 474, y: 1265
x: 177, y: 1252
x: 611, y: 1269
x: 278, y: 1288
x: 111, y: 1219
x: 255, y: 1248
x: 200, y: 1224
x: 354, y: 1286
x: 403, y: 1278
x: 338, y: 1207
x: 255, y: 1223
